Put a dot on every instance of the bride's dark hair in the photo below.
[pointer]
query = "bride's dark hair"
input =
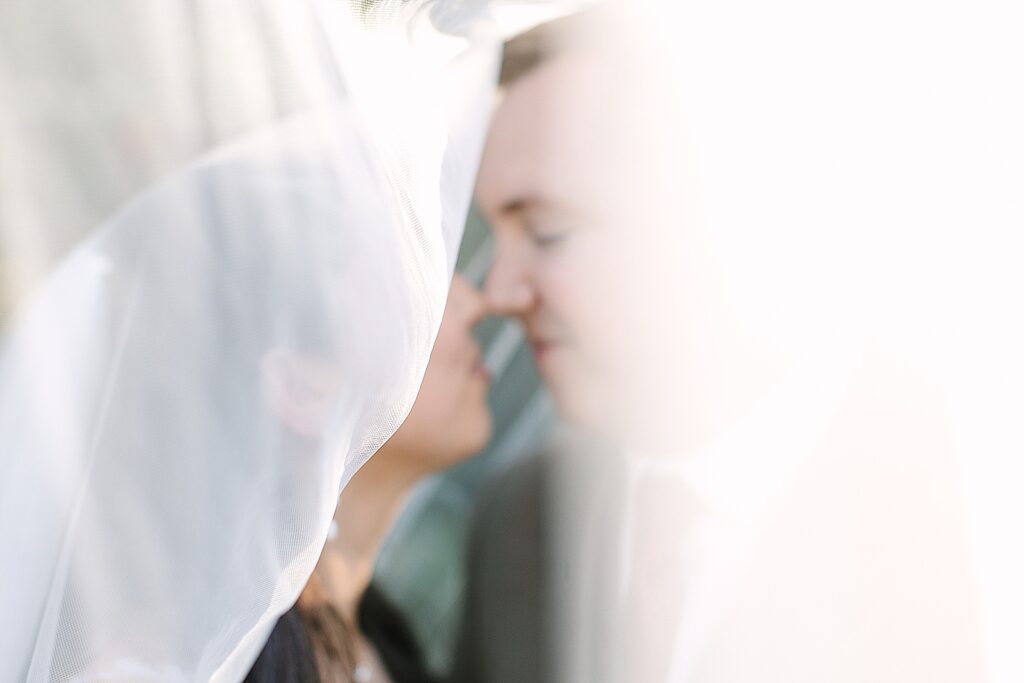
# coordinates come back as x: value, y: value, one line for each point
x: 311, y: 643
x: 288, y: 655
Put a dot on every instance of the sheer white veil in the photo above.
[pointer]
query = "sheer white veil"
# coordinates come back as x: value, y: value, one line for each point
x: 199, y: 202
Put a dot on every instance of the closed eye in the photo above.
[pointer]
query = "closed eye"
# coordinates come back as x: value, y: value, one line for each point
x: 548, y: 239
x: 545, y: 223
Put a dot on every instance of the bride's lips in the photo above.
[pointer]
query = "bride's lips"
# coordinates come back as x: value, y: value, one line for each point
x: 542, y: 347
x: 480, y: 369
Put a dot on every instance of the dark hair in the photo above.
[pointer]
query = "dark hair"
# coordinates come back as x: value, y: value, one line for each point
x: 288, y: 655
x: 315, y: 643
x: 529, y: 50
x: 312, y: 643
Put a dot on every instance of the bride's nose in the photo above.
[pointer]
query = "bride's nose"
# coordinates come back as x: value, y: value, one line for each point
x: 472, y: 305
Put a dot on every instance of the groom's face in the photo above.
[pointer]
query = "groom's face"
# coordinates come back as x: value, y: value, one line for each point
x: 544, y: 187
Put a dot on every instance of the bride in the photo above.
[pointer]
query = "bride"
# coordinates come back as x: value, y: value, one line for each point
x: 324, y: 637
x: 178, y: 180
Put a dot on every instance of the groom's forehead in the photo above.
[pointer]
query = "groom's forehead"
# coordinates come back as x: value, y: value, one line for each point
x: 543, y: 137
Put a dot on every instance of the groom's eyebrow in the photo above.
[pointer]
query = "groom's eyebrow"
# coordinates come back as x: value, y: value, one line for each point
x: 514, y: 206
x: 538, y: 205
x: 527, y: 203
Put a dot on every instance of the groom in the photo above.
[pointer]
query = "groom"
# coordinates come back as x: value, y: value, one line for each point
x: 545, y: 550
x: 748, y: 505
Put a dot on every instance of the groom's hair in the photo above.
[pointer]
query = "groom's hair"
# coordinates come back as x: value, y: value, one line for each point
x: 529, y: 50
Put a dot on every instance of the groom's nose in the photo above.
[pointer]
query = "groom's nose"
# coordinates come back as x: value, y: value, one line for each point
x: 509, y: 288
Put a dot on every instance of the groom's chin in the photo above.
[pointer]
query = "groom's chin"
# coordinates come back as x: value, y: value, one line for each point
x: 578, y: 400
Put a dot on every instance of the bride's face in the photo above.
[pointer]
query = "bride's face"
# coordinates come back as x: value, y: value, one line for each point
x: 450, y: 420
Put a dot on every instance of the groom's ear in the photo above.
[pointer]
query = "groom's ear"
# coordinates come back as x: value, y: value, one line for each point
x: 301, y: 391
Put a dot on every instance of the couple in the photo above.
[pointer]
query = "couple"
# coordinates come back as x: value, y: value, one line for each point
x: 766, y: 502
x: 342, y: 628
x: 806, y: 535
x: 188, y: 390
